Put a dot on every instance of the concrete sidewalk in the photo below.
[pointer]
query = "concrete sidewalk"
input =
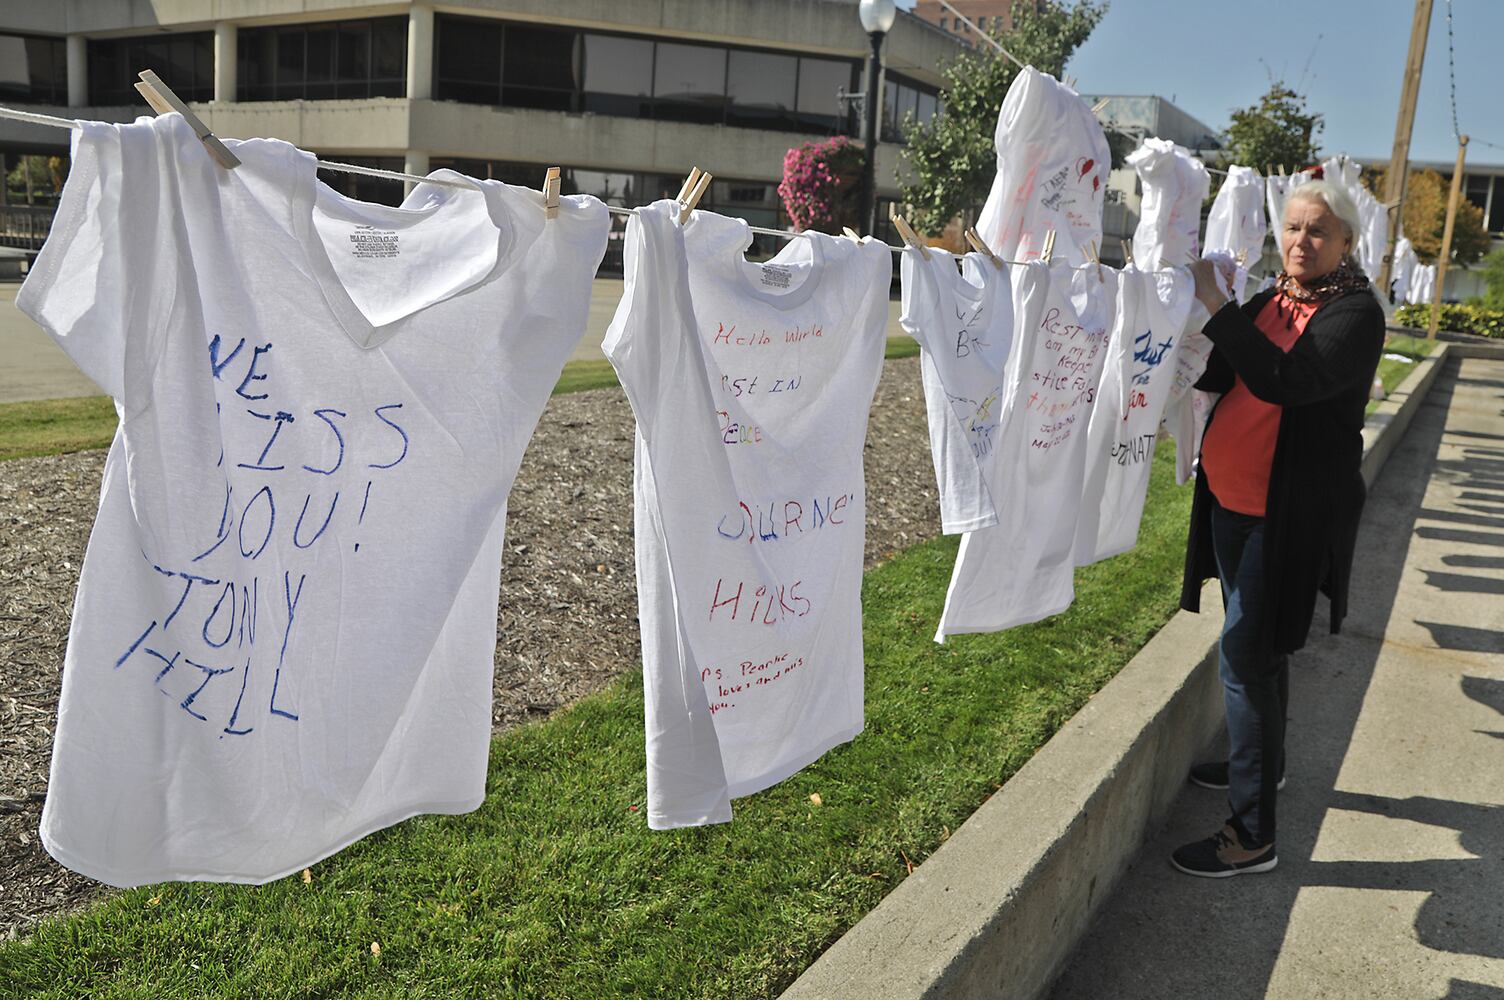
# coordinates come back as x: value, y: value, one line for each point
x: 1391, y: 874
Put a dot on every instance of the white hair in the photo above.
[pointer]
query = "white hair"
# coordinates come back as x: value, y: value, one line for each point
x: 1336, y: 199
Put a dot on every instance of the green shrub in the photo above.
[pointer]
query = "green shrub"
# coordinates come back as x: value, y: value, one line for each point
x: 1461, y: 318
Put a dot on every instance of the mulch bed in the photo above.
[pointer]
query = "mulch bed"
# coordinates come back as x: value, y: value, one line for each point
x: 568, y: 616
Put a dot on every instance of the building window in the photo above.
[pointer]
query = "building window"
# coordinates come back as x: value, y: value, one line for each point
x: 1495, y: 209
x: 184, y: 62
x: 332, y: 60
x: 903, y: 97
x: 540, y: 68
x: 819, y: 109
x: 467, y: 60
x: 1475, y: 189
x: 761, y: 90
x: 689, y: 83
x: 481, y: 61
x: 35, y: 69
x: 618, y: 76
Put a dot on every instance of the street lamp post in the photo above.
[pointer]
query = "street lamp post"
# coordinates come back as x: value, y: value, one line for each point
x: 877, y: 19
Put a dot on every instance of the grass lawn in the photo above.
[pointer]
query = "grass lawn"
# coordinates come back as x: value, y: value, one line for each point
x: 1394, y: 372
x: 55, y: 426
x: 58, y: 426
x: 556, y: 888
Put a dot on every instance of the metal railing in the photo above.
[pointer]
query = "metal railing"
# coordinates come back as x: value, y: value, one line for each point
x: 25, y: 227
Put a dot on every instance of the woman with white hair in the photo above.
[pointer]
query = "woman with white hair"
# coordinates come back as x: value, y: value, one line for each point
x: 1278, y: 495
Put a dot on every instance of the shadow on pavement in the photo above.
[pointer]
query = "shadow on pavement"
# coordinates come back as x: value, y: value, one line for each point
x: 1465, y: 638
x: 1163, y: 934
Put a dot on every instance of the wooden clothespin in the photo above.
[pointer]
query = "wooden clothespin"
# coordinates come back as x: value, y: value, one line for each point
x: 1241, y: 257
x: 692, y: 199
x: 1049, y: 246
x: 688, y: 185
x: 164, y: 101
x: 980, y: 246
x: 1095, y: 258
x: 907, y: 232
x: 1097, y: 108
x: 1127, y: 253
x: 1282, y: 170
x: 551, y: 183
x: 851, y: 234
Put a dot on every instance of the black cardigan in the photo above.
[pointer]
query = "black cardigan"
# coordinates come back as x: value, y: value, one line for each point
x: 1316, y: 486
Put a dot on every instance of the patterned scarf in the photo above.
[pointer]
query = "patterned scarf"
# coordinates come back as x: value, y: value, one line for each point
x: 1340, y: 280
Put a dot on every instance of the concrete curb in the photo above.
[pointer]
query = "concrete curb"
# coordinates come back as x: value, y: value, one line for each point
x: 998, y: 909
x: 1389, y: 420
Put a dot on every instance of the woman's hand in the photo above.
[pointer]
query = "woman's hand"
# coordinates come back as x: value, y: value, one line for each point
x: 1207, y: 290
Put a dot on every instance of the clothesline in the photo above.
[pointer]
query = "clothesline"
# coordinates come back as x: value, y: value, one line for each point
x: 351, y: 168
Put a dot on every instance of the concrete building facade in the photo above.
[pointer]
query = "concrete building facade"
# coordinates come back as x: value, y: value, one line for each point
x: 625, y: 95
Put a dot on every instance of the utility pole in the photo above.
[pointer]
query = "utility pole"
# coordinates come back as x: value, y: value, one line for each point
x: 1446, y: 237
x: 1399, y: 162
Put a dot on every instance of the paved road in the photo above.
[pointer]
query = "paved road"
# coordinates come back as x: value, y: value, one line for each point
x: 1391, y: 874
x: 33, y: 367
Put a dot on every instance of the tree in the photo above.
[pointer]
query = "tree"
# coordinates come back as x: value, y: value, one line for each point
x: 951, y: 157
x: 46, y: 175
x: 1493, y: 280
x: 1425, y: 221
x: 1276, y: 132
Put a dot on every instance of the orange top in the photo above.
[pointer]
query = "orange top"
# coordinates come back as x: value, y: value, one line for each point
x: 1238, y: 450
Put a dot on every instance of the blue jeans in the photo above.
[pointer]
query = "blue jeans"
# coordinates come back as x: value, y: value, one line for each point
x: 1255, y: 680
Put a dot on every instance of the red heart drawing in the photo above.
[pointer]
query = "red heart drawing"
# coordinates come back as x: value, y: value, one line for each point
x: 1086, y: 167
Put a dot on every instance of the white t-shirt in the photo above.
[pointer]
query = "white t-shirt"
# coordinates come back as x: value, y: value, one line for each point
x: 1174, y: 186
x: 1020, y: 570
x: 1374, y: 239
x: 963, y: 321
x: 284, y: 630
x: 1052, y: 165
x: 1189, y: 409
x: 1422, y: 285
x: 1146, y: 332
x: 1403, y: 269
x: 1237, y: 223
x: 751, y: 386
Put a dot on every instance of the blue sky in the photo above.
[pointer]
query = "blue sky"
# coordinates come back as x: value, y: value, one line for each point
x: 1211, y: 56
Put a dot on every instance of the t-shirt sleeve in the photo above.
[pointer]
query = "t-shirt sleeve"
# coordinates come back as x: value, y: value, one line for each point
x: 102, y: 282
x: 637, y: 338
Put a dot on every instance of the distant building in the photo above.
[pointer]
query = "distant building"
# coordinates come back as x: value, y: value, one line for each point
x: 989, y: 15
x: 625, y: 97
x: 1483, y: 185
x: 1129, y: 120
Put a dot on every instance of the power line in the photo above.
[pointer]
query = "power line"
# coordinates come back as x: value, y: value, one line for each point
x: 1452, y: 76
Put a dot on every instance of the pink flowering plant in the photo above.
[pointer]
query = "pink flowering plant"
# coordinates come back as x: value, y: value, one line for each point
x: 820, y: 184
